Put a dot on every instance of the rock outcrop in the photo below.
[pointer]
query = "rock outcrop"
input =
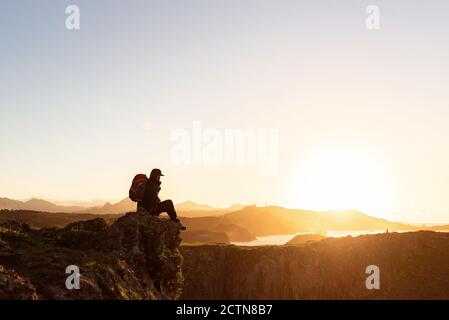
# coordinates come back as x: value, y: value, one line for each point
x: 305, y: 239
x: 413, y: 265
x: 136, y: 257
x: 13, y: 286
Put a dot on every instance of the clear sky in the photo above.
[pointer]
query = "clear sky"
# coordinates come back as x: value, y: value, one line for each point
x: 362, y: 115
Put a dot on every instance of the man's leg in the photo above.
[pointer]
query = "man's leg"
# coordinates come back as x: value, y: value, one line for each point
x: 143, y: 211
x: 167, y: 206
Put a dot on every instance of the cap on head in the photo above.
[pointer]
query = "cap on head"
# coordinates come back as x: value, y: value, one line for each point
x: 155, y: 172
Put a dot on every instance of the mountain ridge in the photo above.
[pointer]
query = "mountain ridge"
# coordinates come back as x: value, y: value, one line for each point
x: 120, y: 207
x: 242, y: 225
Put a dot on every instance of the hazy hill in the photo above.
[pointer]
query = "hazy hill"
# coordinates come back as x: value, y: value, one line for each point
x: 192, y: 210
x: 186, y: 209
x: 192, y: 206
x: 36, y: 205
x: 263, y: 221
x: 436, y: 228
x: 125, y: 205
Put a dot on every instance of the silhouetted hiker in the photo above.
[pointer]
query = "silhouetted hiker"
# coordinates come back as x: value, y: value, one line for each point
x: 150, y: 202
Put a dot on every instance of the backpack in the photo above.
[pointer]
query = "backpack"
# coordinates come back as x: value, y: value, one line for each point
x: 137, y: 189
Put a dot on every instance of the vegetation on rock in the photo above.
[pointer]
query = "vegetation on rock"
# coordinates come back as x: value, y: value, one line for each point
x: 136, y: 257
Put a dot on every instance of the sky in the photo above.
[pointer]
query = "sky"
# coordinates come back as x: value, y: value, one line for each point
x: 345, y: 117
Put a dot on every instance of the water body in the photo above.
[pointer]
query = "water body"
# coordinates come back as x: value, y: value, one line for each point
x: 280, y: 239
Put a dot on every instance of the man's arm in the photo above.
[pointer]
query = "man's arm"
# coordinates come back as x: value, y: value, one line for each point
x: 157, y: 193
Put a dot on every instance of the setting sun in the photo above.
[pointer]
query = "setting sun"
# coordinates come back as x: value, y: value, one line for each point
x: 339, y: 177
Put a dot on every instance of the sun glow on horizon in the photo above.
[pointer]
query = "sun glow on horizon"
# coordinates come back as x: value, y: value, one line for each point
x: 339, y: 178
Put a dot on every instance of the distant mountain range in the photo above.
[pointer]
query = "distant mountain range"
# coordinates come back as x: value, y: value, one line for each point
x: 209, y: 224
x: 187, y: 208
x: 37, y: 205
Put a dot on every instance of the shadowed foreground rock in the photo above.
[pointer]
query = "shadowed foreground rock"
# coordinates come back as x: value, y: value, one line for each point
x: 413, y: 265
x: 136, y: 257
x: 12, y: 286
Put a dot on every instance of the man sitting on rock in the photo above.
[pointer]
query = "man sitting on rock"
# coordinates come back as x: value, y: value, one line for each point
x: 151, y: 203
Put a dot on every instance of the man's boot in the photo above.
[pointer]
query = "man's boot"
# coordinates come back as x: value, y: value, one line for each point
x: 179, y: 221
